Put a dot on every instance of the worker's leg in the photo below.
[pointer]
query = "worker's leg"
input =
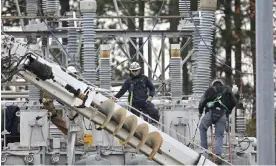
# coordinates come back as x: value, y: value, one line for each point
x: 149, y: 109
x: 60, y: 123
x: 219, y: 134
x: 55, y: 118
x: 205, y: 123
x: 136, y: 106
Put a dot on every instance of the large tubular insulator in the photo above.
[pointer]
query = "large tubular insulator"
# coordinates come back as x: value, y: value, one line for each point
x: 196, y: 41
x: 72, y: 46
x: 105, y: 67
x: 203, y: 37
x: 31, y: 8
x: 176, y: 72
x: 184, y: 6
x: 52, y: 6
x: 44, y: 5
x: 88, y: 9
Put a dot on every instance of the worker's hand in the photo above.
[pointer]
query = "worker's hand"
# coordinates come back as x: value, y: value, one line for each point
x: 48, y: 104
x: 149, y: 99
x: 199, y: 116
x: 235, y: 89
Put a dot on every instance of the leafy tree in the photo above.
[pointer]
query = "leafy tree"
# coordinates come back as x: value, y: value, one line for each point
x: 9, y: 9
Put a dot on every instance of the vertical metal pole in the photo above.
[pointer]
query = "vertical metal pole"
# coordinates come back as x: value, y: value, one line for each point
x: 5, y: 138
x: 163, y: 73
x: 265, y: 84
x: 163, y: 61
x: 149, y: 58
x: 18, y: 12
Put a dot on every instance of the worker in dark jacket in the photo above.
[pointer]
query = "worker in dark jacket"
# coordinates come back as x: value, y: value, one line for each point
x: 137, y: 85
x: 218, y: 101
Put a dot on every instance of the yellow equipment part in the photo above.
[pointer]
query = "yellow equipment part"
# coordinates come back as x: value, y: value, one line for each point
x: 88, y: 139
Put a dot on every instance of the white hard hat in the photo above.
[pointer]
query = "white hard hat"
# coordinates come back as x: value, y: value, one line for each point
x: 235, y: 89
x: 71, y: 69
x: 217, y: 80
x: 134, y: 66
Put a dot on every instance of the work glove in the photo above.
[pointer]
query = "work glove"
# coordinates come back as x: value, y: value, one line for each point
x: 235, y: 89
x: 48, y: 104
x: 149, y: 99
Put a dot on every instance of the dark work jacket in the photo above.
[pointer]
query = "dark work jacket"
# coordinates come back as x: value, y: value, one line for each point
x: 140, y: 85
x: 12, y: 121
x: 228, y: 98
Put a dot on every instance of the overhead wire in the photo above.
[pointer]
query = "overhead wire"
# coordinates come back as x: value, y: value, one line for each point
x: 122, y: 61
x: 137, y: 51
x: 133, y: 21
x: 64, y: 50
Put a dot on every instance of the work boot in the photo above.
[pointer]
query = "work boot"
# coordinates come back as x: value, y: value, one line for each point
x: 219, y: 161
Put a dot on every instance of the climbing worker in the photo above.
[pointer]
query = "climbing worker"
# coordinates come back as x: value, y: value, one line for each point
x: 73, y: 116
x: 218, y: 101
x: 137, y: 85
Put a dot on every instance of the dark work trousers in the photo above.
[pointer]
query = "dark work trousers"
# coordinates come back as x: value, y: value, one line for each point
x: 146, y: 108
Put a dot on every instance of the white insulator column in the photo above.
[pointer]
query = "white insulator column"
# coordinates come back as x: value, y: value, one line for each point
x: 105, y: 67
x: 44, y: 5
x: 203, y: 37
x: 184, y: 6
x: 72, y: 46
x: 88, y: 9
x: 52, y: 6
x: 32, y: 9
x: 176, y: 80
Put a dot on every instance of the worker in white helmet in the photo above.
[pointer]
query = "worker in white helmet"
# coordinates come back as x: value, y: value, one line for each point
x: 71, y: 69
x: 139, y: 97
x: 218, y: 101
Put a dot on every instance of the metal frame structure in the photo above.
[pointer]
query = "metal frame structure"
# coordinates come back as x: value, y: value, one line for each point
x: 172, y: 151
x: 102, y: 33
x: 100, y: 110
